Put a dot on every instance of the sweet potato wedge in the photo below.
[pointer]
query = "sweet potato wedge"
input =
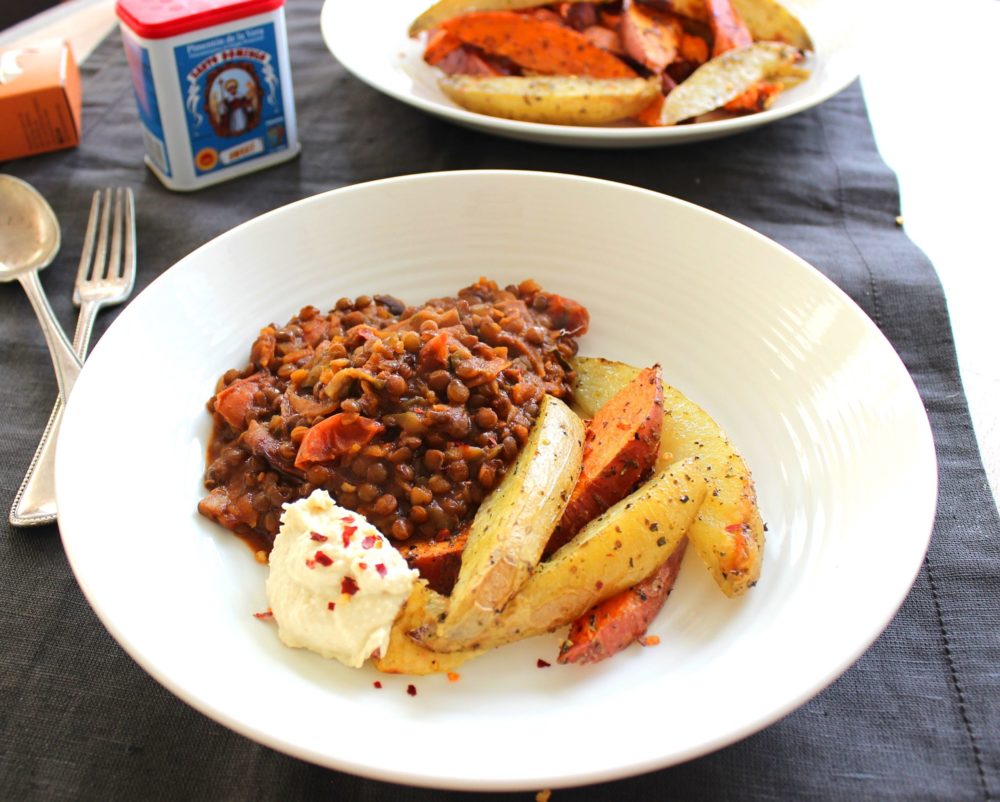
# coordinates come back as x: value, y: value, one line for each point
x: 437, y: 561
x: 618, y: 622
x: 537, y: 45
x: 611, y: 553
x: 649, y: 37
x: 445, y: 9
x: 620, y: 446
x: 729, y: 31
x: 768, y: 20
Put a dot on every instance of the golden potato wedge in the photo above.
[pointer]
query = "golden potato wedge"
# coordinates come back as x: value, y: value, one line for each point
x: 554, y: 99
x: 404, y: 655
x: 446, y: 9
x: 768, y: 20
x: 728, y: 533
x: 515, y: 521
x: 597, y: 382
x: 726, y: 77
x: 613, y: 552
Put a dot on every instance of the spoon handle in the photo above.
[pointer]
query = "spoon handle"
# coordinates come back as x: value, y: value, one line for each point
x: 66, y: 363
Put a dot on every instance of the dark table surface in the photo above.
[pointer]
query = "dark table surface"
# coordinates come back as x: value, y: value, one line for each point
x: 917, y: 717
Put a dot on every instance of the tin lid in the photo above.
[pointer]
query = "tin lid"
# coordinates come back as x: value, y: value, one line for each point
x: 159, y: 19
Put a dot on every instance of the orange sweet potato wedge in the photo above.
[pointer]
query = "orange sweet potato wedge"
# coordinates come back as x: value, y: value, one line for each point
x: 439, y: 45
x: 437, y: 561
x: 650, y: 37
x: 538, y: 45
x: 615, y: 623
x: 621, y: 445
x: 729, y: 31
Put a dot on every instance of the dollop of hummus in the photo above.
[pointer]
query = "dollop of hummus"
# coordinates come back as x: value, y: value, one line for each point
x: 336, y: 584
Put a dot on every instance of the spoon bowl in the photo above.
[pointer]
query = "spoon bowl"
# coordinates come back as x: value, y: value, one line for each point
x: 29, y: 241
x: 29, y: 232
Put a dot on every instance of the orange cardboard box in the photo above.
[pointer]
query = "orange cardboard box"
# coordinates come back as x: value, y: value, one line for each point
x: 40, y: 99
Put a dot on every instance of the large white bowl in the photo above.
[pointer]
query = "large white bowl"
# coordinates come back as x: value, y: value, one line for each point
x: 369, y: 39
x: 805, y: 384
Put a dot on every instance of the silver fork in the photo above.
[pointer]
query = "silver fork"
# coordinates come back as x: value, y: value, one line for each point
x: 106, y: 276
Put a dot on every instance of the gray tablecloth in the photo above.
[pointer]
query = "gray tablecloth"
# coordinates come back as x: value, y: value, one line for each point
x: 918, y: 716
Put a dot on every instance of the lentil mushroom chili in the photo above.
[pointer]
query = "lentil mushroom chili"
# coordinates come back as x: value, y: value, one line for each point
x: 407, y: 415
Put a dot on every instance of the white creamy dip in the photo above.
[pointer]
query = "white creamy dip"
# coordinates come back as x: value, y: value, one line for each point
x: 336, y: 584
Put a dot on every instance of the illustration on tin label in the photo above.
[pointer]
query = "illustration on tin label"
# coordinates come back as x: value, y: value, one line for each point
x: 233, y: 97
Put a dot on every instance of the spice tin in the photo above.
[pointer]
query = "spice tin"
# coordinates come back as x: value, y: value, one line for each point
x: 213, y: 86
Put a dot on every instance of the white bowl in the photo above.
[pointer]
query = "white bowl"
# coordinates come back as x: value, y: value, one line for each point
x: 807, y: 387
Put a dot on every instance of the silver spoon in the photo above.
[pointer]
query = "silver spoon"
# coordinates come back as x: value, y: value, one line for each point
x: 29, y: 241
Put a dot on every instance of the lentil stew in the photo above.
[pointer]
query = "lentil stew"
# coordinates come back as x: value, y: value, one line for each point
x: 407, y: 415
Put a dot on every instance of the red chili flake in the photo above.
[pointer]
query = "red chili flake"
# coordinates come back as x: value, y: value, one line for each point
x: 318, y: 537
x: 734, y: 528
x: 349, y: 586
x: 453, y: 677
x: 598, y: 584
x: 348, y: 519
x: 363, y: 566
x: 381, y: 569
x: 368, y: 542
x: 377, y: 684
x: 348, y: 531
x: 264, y: 616
x: 542, y: 663
x: 331, y: 606
x: 411, y: 689
x: 651, y: 640
x: 323, y: 559
x: 310, y: 563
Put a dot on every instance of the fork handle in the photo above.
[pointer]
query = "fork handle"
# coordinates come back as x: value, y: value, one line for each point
x: 66, y: 363
x: 35, y: 502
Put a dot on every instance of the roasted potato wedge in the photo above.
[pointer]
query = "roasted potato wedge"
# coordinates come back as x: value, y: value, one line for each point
x: 515, y: 521
x: 728, y: 533
x: 597, y: 382
x: 613, y: 552
x: 726, y: 77
x: 446, y: 9
x: 768, y: 20
x: 558, y: 100
x: 404, y: 655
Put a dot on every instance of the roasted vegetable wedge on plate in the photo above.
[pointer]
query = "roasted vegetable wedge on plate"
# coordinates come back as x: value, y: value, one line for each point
x: 598, y: 63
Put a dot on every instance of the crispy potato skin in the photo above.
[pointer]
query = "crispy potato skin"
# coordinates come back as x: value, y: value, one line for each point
x: 728, y: 533
x: 552, y: 99
x: 513, y: 525
x: 613, y: 552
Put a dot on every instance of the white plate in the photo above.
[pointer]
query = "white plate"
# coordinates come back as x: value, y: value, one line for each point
x: 805, y: 384
x: 369, y: 39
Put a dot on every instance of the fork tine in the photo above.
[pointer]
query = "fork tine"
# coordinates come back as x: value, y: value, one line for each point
x: 128, y: 256
x: 101, y: 252
x: 114, y: 264
x: 87, y: 253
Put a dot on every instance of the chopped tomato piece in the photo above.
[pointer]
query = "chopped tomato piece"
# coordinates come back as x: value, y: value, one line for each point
x: 334, y: 436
